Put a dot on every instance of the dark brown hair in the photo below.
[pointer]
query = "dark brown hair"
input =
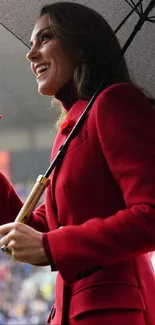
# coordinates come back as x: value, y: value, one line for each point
x: 82, y: 29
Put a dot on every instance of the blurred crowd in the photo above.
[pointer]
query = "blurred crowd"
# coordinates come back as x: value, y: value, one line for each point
x: 26, y: 292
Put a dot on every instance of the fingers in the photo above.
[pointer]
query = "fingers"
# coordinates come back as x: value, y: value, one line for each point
x: 9, y: 233
x: 12, y: 227
x: 9, y: 247
x: 24, y: 242
x: 6, y: 245
x: 4, y: 229
x: 4, y: 241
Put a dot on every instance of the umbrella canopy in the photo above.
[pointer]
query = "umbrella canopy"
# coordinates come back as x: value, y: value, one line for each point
x: 19, y: 17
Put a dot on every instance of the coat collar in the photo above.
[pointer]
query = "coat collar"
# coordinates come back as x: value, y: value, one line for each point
x: 67, y: 96
x: 72, y: 116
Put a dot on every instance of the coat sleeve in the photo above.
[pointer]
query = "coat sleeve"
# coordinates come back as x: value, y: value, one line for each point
x: 125, y: 123
x: 10, y: 205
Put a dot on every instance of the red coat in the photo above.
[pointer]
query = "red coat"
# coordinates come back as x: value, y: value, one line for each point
x: 103, y: 193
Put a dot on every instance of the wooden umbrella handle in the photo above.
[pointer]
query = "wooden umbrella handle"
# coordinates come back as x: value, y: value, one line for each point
x: 39, y: 187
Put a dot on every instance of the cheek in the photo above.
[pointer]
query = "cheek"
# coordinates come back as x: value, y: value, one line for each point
x: 65, y: 62
x: 67, y: 68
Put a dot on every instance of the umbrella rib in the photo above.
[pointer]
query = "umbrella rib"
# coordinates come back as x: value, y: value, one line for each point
x: 13, y: 34
x: 139, y: 10
x: 128, y: 16
x: 125, y: 19
x: 127, y: 1
x: 151, y: 20
x: 134, y: 5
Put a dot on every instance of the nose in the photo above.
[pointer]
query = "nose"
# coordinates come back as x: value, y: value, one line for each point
x: 32, y: 55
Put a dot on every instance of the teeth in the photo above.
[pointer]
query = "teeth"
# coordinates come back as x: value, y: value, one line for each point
x: 42, y: 68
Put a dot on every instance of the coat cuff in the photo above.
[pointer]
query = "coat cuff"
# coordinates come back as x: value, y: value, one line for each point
x: 47, y: 252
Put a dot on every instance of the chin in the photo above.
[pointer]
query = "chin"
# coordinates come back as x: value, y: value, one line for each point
x: 45, y: 92
x: 47, y: 89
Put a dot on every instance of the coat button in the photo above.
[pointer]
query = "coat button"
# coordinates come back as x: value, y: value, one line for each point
x: 53, y: 311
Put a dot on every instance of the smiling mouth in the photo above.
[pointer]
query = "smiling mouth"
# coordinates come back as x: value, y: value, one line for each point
x: 41, y: 74
x: 42, y: 70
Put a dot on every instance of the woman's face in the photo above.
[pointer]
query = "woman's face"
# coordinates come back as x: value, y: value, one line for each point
x: 51, y: 63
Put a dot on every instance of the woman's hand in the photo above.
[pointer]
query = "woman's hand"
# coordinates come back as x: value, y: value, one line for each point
x: 24, y: 242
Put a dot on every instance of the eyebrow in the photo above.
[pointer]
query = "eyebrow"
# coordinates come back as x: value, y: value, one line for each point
x: 39, y: 33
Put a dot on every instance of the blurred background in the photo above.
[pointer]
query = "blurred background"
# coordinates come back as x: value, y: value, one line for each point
x: 27, y: 132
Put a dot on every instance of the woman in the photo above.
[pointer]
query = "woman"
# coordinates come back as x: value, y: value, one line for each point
x: 97, y: 224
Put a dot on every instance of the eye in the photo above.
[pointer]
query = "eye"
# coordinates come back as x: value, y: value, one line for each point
x: 46, y: 37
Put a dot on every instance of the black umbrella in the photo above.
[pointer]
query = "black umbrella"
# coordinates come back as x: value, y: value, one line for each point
x: 19, y: 18
x: 21, y: 28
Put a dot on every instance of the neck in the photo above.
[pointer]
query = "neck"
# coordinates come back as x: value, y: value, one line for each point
x: 67, y: 95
